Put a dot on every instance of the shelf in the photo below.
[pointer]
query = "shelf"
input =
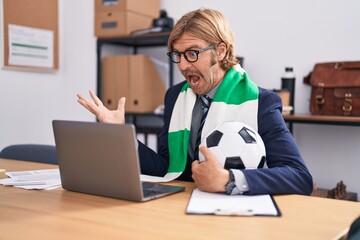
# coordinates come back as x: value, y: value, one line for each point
x: 321, y: 119
x: 146, y: 40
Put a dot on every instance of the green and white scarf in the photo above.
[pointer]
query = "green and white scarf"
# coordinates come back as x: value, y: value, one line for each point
x: 235, y: 100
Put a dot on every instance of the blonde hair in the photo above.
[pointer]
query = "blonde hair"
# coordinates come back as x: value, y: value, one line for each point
x: 209, y: 25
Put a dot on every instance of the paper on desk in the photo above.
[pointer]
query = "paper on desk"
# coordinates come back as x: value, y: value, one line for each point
x: 221, y: 204
x: 37, y: 179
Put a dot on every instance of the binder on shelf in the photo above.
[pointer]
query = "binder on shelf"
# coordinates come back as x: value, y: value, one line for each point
x: 134, y: 77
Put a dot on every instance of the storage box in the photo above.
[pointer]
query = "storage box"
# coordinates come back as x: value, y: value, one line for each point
x: 134, y: 77
x: 119, y: 23
x: 284, y: 94
x: 149, y: 8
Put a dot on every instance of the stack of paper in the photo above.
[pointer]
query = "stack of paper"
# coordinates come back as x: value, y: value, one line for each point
x: 37, y: 179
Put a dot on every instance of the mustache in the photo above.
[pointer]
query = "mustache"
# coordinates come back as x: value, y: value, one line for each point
x: 188, y: 72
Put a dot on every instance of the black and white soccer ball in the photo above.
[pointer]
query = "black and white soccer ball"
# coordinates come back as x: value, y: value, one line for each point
x: 236, y: 146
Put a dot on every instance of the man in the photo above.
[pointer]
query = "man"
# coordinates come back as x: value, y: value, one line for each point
x: 201, y: 44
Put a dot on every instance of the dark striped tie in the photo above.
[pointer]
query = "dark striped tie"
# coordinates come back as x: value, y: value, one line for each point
x: 205, y: 102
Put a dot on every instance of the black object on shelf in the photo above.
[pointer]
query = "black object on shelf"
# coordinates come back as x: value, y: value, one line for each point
x: 288, y: 82
x: 161, y: 24
x: 165, y: 22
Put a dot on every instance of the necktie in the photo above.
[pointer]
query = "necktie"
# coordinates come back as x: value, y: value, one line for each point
x: 205, y: 102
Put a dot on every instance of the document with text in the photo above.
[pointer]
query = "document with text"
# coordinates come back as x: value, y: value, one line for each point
x: 232, y: 205
x: 36, y: 179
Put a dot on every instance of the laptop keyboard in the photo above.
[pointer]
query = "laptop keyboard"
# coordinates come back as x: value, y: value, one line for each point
x: 149, y: 193
x: 151, y: 189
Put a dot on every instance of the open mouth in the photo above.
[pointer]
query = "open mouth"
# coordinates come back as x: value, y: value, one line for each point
x: 193, y: 79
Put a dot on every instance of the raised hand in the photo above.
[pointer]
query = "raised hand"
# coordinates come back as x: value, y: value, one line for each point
x: 102, y: 113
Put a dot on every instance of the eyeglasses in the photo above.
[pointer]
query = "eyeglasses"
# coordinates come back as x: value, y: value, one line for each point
x: 190, y: 55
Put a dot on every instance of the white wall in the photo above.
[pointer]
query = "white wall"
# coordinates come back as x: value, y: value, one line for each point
x: 269, y: 34
x: 29, y: 101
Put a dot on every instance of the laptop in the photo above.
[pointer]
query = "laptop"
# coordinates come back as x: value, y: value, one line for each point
x: 102, y: 159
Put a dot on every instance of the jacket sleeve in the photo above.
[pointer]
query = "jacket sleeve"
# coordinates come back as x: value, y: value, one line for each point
x: 153, y: 163
x: 286, y: 172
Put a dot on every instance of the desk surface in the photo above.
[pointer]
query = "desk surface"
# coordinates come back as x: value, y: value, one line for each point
x: 60, y: 214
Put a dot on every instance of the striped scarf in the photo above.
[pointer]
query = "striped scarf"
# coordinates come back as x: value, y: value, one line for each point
x: 235, y: 100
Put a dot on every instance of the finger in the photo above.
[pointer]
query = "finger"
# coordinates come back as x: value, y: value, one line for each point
x: 205, y: 152
x: 88, y: 105
x: 80, y: 96
x: 209, y: 156
x: 83, y: 103
x: 95, y: 98
x: 94, y: 108
x: 121, y: 104
x: 195, y: 162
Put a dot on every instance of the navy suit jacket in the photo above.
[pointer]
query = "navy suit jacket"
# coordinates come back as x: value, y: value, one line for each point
x: 286, y: 172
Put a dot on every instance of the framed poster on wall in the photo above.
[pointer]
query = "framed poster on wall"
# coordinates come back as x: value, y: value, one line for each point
x: 29, y: 35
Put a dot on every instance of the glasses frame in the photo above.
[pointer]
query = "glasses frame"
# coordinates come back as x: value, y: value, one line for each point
x: 197, y: 52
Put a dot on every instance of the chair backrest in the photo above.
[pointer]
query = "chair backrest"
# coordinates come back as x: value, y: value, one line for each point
x: 354, y: 232
x: 30, y: 152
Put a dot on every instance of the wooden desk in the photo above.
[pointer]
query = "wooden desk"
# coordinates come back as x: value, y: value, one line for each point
x: 317, y: 119
x: 59, y: 214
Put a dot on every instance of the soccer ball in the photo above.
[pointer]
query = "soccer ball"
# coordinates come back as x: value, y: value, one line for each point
x: 236, y: 145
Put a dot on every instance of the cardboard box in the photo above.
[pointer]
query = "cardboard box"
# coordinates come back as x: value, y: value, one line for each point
x: 284, y: 94
x: 115, y: 24
x: 134, y: 77
x: 149, y: 8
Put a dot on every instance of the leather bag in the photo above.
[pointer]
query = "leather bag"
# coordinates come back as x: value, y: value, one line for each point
x: 335, y: 88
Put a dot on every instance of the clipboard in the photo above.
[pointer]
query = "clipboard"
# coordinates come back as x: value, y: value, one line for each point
x: 232, y: 205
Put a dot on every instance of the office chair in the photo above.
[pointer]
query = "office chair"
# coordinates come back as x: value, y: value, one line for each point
x: 30, y: 152
x: 354, y: 231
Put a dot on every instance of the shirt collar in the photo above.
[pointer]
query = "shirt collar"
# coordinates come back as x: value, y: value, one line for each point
x: 212, y: 92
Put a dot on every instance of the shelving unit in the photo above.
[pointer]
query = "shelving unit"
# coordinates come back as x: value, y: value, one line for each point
x: 134, y: 42
x: 324, y: 120
x: 147, y: 123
